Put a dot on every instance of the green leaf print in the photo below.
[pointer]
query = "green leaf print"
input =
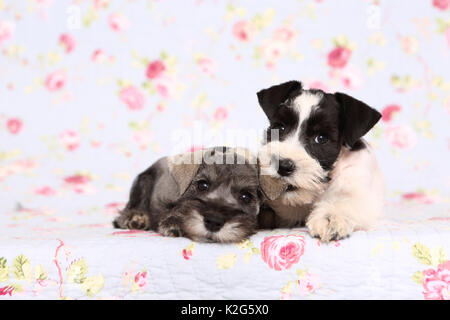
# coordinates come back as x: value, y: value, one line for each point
x: 21, y: 268
x: 442, y: 256
x: 77, y: 272
x: 417, y: 277
x: 4, y: 270
x: 422, y: 253
x: 93, y: 285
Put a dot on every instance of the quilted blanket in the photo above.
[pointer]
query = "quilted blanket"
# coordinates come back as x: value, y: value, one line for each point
x: 78, y: 255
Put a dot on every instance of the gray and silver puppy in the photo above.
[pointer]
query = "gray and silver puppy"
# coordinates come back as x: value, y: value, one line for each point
x: 211, y: 195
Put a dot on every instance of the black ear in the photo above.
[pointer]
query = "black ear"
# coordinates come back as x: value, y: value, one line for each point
x: 357, y: 118
x: 269, y: 99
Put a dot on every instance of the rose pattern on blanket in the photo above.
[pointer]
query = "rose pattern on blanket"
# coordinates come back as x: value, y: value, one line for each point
x: 93, y: 100
x: 435, y: 280
x: 281, y: 252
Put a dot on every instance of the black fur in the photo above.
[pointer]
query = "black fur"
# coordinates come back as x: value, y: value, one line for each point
x: 357, y: 117
x: 270, y: 99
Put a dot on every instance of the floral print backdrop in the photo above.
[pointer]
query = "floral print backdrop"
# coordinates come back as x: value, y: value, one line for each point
x: 93, y: 91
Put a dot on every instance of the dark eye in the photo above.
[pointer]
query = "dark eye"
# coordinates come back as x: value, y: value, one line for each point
x: 320, y: 139
x: 278, y: 126
x: 245, y: 197
x: 202, y: 185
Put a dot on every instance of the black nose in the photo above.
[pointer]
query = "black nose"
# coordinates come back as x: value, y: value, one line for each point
x: 286, y: 167
x: 213, y: 222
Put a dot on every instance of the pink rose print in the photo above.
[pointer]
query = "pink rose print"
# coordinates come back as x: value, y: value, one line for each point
x: 101, y: 4
x: 118, y: 22
x: 389, y: 111
x: 79, y: 183
x: 207, y: 66
x: 441, y: 4
x: 67, y: 41
x: 417, y: 196
x: 70, y: 139
x: 401, y: 136
x: 141, y: 279
x: 14, y: 125
x: 143, y: 138
x: 6, y: 290
x: 244, y: 31
x: 155, y: 69
x: 436, y: 283
x: 164, y: 86
x: 281, y: 252
x: 187, y: 254
x: 55, y: 81
x: 284, y: 35
x: 6, y: 30
x: 114, y: 207
x: 220, y: 114
x: 351, y: 78
x: 77, y: 179
x: 409, y: 44
x: 132, y: 97
x: 45, y: 191
x: 339, y: 57
x: 271, y: 51
x: 308, y: 284
x: 19, y: 166
x: 195, y: 148
x: 99, y: 56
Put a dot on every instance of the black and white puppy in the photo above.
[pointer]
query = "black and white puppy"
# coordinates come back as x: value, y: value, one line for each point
x: 314, y: 148
x: 210, y: 195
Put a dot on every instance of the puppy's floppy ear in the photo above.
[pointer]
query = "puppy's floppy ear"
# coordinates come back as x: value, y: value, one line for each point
x: 358, y: 118
x: 269, y: 99
x: 184, y: 167
x: 270, y: 186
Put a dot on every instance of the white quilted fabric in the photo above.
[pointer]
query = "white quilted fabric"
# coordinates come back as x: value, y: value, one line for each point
x: 405, y: 258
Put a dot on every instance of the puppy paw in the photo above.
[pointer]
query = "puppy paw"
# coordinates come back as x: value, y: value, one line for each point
x: 139, y: 221
x: 170, y: 228
x: 329, y: 227
x: 170, y: 231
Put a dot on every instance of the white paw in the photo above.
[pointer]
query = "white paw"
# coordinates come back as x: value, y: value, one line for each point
x: 329, y: 227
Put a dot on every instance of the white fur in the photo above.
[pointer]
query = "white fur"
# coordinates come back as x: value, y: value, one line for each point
x: 229, y: 233
x: 354, y: 199
x: 306, y: 103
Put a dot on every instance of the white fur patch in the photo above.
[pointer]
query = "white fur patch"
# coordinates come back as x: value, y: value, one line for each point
x: 195, y: 227
x: 230, y: 232
x: 305, y: 104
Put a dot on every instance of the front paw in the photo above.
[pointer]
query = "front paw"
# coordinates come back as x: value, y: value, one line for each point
x: 170, y: 228
x: 329, y: 227
x: 139, y: 221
